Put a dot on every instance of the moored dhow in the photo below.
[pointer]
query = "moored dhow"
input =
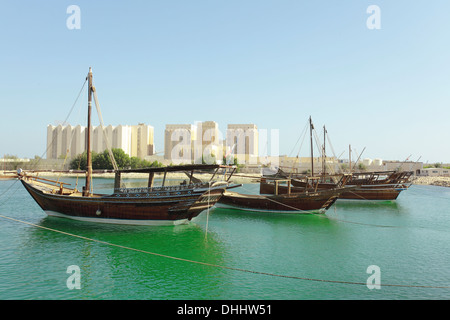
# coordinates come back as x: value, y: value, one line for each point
x: 383, y: 185
x: 278, y: 196
x: 161, y: 205
x: 151, y: 205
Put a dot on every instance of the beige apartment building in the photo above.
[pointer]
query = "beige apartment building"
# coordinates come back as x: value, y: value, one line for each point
x: 203, y: 142
x: 187, y: 143
x: 136, y: 141
x: 179, y: 142
x: 242, y: 142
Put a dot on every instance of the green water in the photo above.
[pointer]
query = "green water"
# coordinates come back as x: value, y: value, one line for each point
x: 407, y: 239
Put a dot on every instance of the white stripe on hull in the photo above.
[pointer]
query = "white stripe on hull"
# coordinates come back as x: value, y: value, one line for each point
x: 226, y: 206
x: 120, y: 221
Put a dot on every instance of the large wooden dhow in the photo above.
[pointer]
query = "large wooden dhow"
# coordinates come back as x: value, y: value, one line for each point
x: 166, y: 204
x: 151, y: 205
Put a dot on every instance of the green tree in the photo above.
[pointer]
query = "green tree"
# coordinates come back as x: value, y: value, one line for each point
x: 79, y: 162
x: 102, y: 161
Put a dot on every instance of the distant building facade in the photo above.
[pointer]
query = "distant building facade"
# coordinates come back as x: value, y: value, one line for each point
x: 187, y: 143
x: 435, y: 172
x: 179, y: 142
x: 242, y: 142
x: 136, y: 141
x: 204, y: 143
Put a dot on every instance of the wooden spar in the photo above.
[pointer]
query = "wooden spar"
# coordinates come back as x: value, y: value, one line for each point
x: 359, y: 156
x: 324, y: 154
x: 117, y: 180
x: 87, y: 188
x: 214, y: 174
x: 312, y: 155
x: 190, y: 177
x: 164, y: 178
x: 350, y: 157
x: 151, y: 176
x: 229, y: 177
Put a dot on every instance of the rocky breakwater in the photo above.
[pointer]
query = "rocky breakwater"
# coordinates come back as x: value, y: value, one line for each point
x: 434, y: 181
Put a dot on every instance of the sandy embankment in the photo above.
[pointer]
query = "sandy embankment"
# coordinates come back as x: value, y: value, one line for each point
x: 434, y: 181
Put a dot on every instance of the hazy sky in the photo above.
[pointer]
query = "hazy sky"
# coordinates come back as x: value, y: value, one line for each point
x: 271, y: 63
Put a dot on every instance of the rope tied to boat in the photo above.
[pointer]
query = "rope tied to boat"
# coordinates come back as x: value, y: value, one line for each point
x: 216, y: 265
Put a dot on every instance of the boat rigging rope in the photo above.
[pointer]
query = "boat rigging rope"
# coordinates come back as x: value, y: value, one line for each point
x: 215, y: 265
x: 207, y: 213
x: 65, y: 121
x: 324, y: 216
x: 108, y: 145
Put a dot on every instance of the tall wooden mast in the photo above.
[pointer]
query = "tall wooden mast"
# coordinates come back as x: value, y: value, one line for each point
x: 312, y: 155
x: 324, y: 156
x: 350, y: 157
x: 87, y: 187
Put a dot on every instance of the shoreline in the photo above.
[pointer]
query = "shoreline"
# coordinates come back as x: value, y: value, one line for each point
x: 432, y: 181
x: 244, y: 178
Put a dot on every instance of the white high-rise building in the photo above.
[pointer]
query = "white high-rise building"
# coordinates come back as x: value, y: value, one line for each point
x: 142, y: 141
x: 67, y: 140
x: 122, y: 138
x: 179, y: 142
x: 242, y: 142
x: 208, y: 145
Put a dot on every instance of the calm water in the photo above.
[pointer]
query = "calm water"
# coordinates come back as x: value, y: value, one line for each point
x: 407, y: 239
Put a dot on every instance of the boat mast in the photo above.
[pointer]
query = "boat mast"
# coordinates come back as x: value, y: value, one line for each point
x: 350, y: 157
x: 312, y: 155
x: 324, y: 154
x: 87, y: 188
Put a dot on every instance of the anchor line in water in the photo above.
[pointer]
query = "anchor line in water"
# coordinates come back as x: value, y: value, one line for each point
x: 326, y: 216
x: 215, y: 265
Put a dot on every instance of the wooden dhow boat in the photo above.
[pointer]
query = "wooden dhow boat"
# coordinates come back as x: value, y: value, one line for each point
x: 380, y: 185
x: 279, y: 196
x: 151, y: 205
x: 386, y: 185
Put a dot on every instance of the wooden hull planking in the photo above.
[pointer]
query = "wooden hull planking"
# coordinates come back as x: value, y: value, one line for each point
x: 293, y: 203
x: 128, y: 208
x: 360, y: 192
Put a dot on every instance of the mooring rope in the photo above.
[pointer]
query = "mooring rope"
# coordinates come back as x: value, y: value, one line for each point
x: 216, y: 265
x: 324, y: 216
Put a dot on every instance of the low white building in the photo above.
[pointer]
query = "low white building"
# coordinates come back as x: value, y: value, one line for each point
x: 435, y: 172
